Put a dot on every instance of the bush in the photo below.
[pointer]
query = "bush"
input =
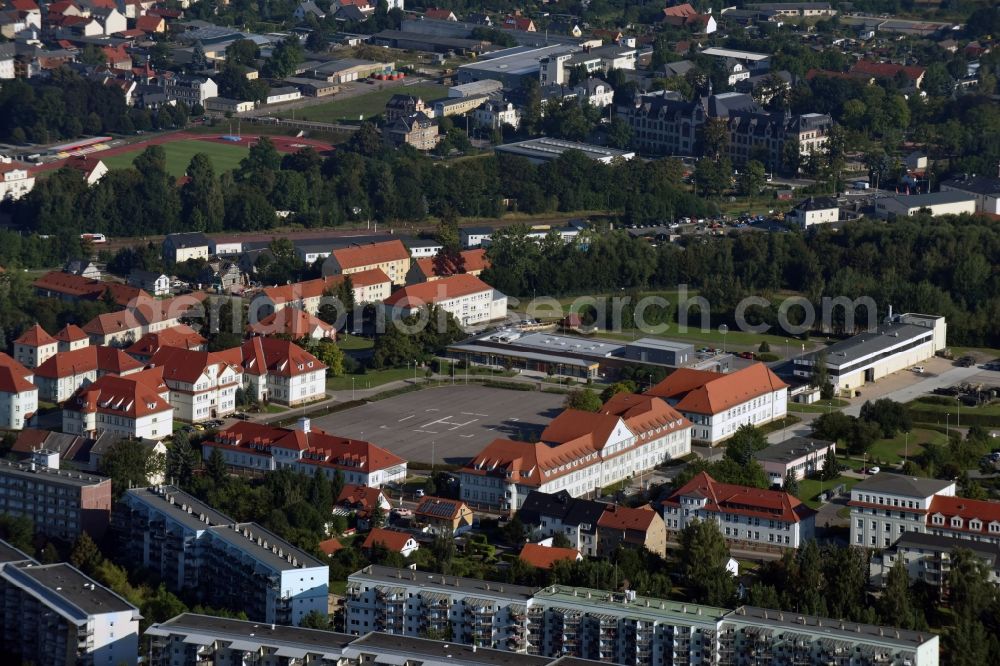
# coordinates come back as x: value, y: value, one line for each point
x: 764, y: 347
x: 767, y: 358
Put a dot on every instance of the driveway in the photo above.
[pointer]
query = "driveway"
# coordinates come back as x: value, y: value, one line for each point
x: 949, y: 377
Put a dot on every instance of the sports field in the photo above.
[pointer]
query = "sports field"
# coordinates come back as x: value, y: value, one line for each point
x: 370, y: 104
x: 179, y: 153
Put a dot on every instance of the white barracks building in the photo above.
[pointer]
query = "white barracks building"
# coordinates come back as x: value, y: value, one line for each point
x: 580, y: 452
x: 718, y: 404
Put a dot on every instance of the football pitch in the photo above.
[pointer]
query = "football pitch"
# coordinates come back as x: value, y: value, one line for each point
x: 179, y: 153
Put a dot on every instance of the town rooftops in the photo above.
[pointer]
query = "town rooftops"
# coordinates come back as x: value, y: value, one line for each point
x: 181, y: 335
x: 545, y: 557
x: 70, y: 333
x: 447, y: 288
x: 360, y: 496
x: 35, y: 337
x: 278, y: 357
x: 315, y: 288
x: 560, y: 505
x: 290, y: 641
x: 627, y: 518
x: 186, y: 365
x: 392, y: 540
x: 817, y: 203
x: 244, y: 536
x: 12, y: 381
x: 130, y: 397
x: 181, y: 507
x: 704, y: 392
x: 192, y: 238
x: 68, y: 591
x: 370, y: 255
x: 792, y: 449
x: 432, y: 582
x: 932, y: 199
x: 906, y: 486
x: 742, y: 500
x: 731, y: 53
x: 87, y: 359
x: 966, y: 510
x: 293, y: 322
x: 468, y: 261
x: 439, y: 508
x: 886, y: 70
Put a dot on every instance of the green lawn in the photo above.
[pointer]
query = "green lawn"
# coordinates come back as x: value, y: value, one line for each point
x: 819, y: 407
x: 371, y: 379
x: 349, y: 342
x: 809, y: 489
x: 274, y: 409
x: 179, y: 153
x: 370, y: 104
x: 892, y: 450
x: 992, y: 409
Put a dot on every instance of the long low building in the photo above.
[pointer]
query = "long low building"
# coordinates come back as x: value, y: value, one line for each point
x: 936, y: 203
x: 467, y: 298
x: 612, y: 627
x: 545, y: 149
x: 909, y: 339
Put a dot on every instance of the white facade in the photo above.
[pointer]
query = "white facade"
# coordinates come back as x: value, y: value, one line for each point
x: 15, y: 407
x: 469, y: 309
x: 879, y: 517
x: 31, y: 356
x: 807, y: 218
x: 16, y: 180
x: 714, y: 428
x: 151, y: 426
x: 904, y: 206
x: 212, y: 396
x: 741, y: 528
x: 291, y: 391
x: 280, y: 95
x: 986, y: 202
x: 6, y: 67
x: 496, y: 114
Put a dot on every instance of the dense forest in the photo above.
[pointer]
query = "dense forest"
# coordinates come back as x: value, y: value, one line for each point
x: 944, y: 266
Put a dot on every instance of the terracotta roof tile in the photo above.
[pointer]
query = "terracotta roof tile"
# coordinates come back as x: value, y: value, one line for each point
x: 87, y: 359
x: 392, y: 540
x: 470, y: 261
x: 966, y: 509
x: 625, y: 518
x: 742, y: 500
x: 278, y: 357
x: 290, y: 293
x: 70, y: 333
x: 292, y: 322
x: 427, y: 293
x: 123, y: 396
x: 35, y: 337
x: 330, y: 546
x: 704, y: 392
x: 545, y: 557
x: 357, y: 256
x: 181, y: 335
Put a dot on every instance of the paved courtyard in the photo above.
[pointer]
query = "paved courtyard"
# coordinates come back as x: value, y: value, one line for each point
x: 451, y: 423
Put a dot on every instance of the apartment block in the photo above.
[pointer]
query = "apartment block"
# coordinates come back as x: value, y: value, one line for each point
x: 54, y: 614
x: 580, y: 452
x: 18, y: 394
x: 421, y: 604
x: 199, y: 551
x: 133, y: 406
x: 744, y: 515
x: 718, y: 404
x: 928, y: 558
x: 391, y: 257
x: 257, y: 448
x: 367, y: 286
x: 613, y: 627
x: 34, y: 346
x: 61, y: 503
x: 280, y: 371
x: 467, y: 298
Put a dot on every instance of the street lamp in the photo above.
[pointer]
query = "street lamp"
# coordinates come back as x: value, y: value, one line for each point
x: 724, y: 330
x: 352, y: 389
x: 947, y: 427
x: 414, y: 371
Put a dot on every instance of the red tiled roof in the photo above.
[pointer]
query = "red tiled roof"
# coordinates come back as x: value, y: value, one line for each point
x: 292, y: 322
x: 471, y: 261
x: 680, y: 10
x: 705, y: 392
x: 181, y: 335
x: 35, y: 337
x: 278, y: 357
x: 14, y: 376
x: 186, y: 365
x: 330, y: 546
x: 149, y: 23
x: 364, y: 498
x: 326, y: 449
x: 70, y: 333
x: 77, y: 286
x: 87, y: 359
x: 122, y: 396
x: 296, y: 291
x: 966, y: 509
x: 8, y: 361
x: 545, y: 557
x: 625, y: 518
x: 742, y: 500
x: 887, y: 70
x: 437, y: 13
x: 392, y: 540
x: 60, y: 7
x: 426, y: 293
x: 24, y: 5
x: 373, y: 254
x: 112, y: 322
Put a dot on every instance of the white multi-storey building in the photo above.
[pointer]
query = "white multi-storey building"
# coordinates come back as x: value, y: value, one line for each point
x: 202, y: 385
x: 129, y: 406
x: 276, y: 370
x: 34, y: 347
x: 18, y: 394
x: 15, y: 179
x: 62, y: 375
x: 867, y: 357
x: 719, y: 404
x: 259, y: 447
x: 239, y: 566
x: 54, y: 614
x: 369, y: 286
x: 580, y: 452
x: 464, y: 296
x: 743, y: 514
x: 885, y: 506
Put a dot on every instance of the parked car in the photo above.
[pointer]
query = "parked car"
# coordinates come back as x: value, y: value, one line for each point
x: 919, y: 369
x: 873, y: 470
x: 966, y: 362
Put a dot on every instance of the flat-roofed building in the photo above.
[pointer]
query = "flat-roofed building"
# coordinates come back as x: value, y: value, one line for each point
x: 985, y: 189
x: 660, y: 351
x: 539, y: 151
x: 909, y: 339
x: 512, y: 66
x: 199, y: 551
x: 800, y: 456
x: 62, y: 504
x: 54, y: 614
x: 952, y: 202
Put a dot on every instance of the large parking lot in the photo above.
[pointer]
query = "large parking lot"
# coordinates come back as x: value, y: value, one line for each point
x: 451, y: 423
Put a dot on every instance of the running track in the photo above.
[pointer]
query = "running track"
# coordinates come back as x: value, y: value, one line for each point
x: 284, y: 144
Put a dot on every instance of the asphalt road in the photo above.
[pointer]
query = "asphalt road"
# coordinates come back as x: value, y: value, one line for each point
x: 449, y: 424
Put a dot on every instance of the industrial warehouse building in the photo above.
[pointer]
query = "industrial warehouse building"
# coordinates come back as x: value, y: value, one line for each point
x: 904, y: 342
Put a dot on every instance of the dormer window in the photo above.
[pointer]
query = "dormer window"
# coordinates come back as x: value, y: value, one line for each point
x: 956, y: 522
x: 975, y: 524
